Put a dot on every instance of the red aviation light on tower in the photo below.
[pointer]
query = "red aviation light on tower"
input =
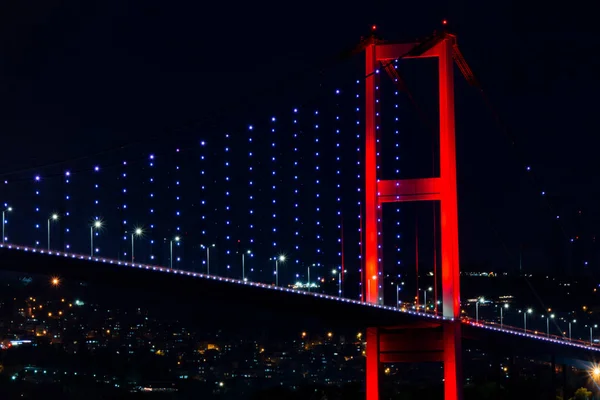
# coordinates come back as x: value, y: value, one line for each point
x: 445, y: 22
x: 374, y: 27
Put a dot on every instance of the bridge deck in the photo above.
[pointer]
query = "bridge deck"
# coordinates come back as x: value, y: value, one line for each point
x: 201, y: 289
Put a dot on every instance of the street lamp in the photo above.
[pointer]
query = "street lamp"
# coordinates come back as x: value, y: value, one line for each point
x: 96, y: 224
x: 53, y: 217
x: 595, y: 372
x: 175, y: 239
x: 548, y: 324
x: 425, y: 299
x: 481, y: 299
x: 591, y: 336
x: 308, y: 279
x: 529, y: 311
x: 207, y: 256
x: 339, y: 273
x: 243, y: 267
x: 8, y: 209
x: 502, y: 315
x: 398, y: 295
x: 570, y: 328
x: 136, y: 232
x: 277, y: 260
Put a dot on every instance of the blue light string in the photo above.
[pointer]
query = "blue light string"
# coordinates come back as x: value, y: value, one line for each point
x: 37, y: 182
x: 317, y: 180
x: 274, y: 179
x: 380, y: 281
x: 203, y: 198
x: 338, y: 173
x: 5, y: 207
x: 398, y: 235
x: 177, y: 217
x: 152, y: 204
x: 67, y: 210
x: 124, y: 211
x: 228, y: 227
x: 359, y: 169
x: 251, y: 192
x: 297, y: 170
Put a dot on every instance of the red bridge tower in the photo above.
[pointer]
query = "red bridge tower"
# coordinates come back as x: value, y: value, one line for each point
x: 426, y: 342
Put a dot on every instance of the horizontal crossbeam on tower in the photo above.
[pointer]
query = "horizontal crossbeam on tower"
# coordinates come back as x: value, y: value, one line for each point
x: 399, y: 190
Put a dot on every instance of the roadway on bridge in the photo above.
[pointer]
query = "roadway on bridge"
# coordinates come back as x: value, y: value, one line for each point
x: 204, y: 290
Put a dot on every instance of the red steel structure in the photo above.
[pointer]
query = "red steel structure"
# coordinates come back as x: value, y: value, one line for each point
x: 431, y: 342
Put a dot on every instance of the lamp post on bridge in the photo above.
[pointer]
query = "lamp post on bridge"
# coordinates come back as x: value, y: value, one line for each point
x: 425, y: 298
x: 502, y: 315
x: 53, y: 217
x: 136, y: 232
x: 243, y: 267
x: 175, y: 239
x: 208, y: 256
x: 548, y: 317
x: 277, y: 260
x: 591, y: 334
x: 480, y: 299
x: 8, y: 209
x: 570, y: 337
x: 339, y: 273
x: 97, y: 224
x: 528, y: 311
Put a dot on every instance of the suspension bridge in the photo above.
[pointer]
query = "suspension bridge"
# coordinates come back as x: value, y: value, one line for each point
x: 279, y: 207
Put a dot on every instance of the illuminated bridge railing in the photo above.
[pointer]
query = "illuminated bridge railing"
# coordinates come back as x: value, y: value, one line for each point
x: 481, y: 324
x: 513, y: 330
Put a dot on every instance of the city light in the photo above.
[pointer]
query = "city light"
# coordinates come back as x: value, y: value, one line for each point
x: 55, y: 281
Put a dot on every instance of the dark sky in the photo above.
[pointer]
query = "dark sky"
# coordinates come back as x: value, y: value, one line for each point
x: 80, y: 77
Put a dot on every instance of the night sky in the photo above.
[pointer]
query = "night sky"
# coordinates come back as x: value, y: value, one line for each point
x: 78, y: 80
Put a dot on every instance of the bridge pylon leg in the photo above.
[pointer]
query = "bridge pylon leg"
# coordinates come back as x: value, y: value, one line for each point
x: 415, y: 343
x: 373, y: 365
x: 452, y: 361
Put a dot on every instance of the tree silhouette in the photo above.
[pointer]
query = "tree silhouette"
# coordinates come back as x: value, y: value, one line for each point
x: 582, y: 394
